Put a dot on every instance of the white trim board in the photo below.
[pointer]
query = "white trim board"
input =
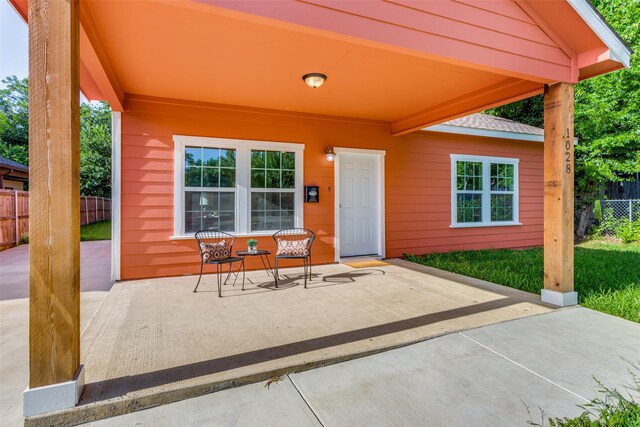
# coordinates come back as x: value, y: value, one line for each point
x: 53, y: 397
x: 381, y: 197
x: 116, y: 192
x: 619, y: 51
x: 464, y: 130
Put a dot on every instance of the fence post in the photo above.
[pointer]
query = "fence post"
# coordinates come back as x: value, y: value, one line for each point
x: 15, y: 214
x: 630, y: 211
x: 86, y: 209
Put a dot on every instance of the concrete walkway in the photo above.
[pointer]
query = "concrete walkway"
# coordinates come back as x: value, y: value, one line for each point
x: 95, y: 282
x: 481, y: 377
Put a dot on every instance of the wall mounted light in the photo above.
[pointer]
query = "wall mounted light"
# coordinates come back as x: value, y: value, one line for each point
x: 329, y: 153
x: 314, y: 80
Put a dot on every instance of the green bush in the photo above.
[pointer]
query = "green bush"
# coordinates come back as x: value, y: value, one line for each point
x: 24, y: 239
x: 628, y: 232
x: 621, y: 228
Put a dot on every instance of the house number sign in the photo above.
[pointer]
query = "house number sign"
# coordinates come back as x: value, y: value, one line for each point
x: 567, y: 151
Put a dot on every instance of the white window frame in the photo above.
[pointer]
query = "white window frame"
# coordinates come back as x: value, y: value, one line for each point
x: 243, y: 149
x: 486, y: 191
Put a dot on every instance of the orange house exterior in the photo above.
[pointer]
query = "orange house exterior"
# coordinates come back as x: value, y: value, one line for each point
x: 214, y: 126
x: 417, y: 183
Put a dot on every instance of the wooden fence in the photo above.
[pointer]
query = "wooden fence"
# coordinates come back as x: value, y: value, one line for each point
x: 14, y: 214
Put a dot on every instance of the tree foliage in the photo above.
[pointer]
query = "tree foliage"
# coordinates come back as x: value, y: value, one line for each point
x: 14, y: 120
x: 95, y: 136
x: 607, y: 114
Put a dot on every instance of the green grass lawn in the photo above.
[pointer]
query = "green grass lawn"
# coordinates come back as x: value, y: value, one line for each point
x: 96, y: 231
x: 607, y: 275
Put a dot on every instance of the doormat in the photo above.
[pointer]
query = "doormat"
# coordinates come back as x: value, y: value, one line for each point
x: 367, y: 264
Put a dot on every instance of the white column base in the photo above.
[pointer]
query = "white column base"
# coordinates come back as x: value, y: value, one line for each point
x: 54, y: 397
x: 561, y: 299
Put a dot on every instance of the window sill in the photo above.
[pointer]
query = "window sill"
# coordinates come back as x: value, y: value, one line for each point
x: 239, y: 235
x: 492, y: 224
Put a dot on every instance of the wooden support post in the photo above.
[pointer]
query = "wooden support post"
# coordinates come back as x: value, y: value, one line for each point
x: 558, y: 195
x: 54, y: 223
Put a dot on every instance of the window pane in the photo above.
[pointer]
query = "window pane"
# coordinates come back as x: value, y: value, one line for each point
x: 193, y: 156
x: 227, y: 201
x: 227, y: 177
x: 209, y: 210
x: 288, y: 161
x: 258, y: 201
x: 258, y: 159
x: 210, y: 177
x: 502, y: 177
x: 273, y: 201
x: 193, y: 177
x: 469, y: 176
x: 286, y: 201
x: 273, y: 160
x: 287, y: 219
x: 501, y: 207
x: 227, y: 158
x: 288, y: 179
x: 273, y: 179
x: 469, y: 208
x: 210, y: 156
x: 257, y: 178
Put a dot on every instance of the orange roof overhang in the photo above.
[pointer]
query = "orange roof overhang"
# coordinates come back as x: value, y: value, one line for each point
x: 408, y: 63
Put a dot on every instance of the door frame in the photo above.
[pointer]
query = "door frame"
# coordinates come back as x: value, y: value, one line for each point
x: 380, y: 156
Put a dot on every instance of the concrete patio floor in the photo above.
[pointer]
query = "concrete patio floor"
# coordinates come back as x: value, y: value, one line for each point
x: 155, y: 341
x: 481, y: 377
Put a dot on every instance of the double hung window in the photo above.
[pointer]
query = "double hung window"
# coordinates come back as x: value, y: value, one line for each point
x: 484, y: 191
x: 237, y: 186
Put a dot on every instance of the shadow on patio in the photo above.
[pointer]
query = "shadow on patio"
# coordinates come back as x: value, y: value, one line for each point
x: 154, y: 341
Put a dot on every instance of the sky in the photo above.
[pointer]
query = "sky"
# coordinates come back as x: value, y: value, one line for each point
x: 14, y: 43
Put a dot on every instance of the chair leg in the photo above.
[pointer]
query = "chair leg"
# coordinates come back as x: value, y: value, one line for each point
x: 243, y: 270
x: 310, y: 276
x: 305, y: 272
x: 201, y: 264
x: 276, y: 272
x: 219, y: 271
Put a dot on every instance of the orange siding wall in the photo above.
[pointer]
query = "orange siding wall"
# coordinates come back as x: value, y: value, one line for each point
x: 417, y: 183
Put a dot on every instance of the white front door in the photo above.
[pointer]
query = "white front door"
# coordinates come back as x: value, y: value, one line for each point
x: 359, y: 204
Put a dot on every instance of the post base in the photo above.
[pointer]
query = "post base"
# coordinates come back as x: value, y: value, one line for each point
x: 53, y: 397
x: 561, y: 299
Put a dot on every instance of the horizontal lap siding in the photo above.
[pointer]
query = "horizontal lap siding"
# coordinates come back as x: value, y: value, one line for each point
x: 417, y: 184
x: 418, y: 198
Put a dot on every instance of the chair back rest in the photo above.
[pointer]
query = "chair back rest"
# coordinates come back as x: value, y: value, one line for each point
x: 295, y: 235
x: 207, y: 238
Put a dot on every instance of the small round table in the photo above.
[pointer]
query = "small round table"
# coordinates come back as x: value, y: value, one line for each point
x: 264, y: 257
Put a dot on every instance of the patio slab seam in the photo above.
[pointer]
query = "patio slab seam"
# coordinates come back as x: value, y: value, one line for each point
x: 531, y: 371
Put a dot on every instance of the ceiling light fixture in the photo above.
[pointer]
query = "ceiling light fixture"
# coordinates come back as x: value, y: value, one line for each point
x: 314, y: 80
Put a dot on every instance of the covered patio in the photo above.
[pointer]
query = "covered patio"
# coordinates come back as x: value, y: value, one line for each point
x: 154, y: 341
x: 232, y: 70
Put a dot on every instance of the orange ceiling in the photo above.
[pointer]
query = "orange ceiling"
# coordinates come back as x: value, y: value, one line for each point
x: 216, y: 58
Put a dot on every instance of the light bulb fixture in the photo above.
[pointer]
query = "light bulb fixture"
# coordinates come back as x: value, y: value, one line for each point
x: 329, y: 153
x: 314, y: 80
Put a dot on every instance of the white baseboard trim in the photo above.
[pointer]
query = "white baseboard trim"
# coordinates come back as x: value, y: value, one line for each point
x: 561, y: 299
x: 54, y: 397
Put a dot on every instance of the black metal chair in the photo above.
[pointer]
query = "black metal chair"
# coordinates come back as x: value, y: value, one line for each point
x: 294, y: 243
x: 216, y: 247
